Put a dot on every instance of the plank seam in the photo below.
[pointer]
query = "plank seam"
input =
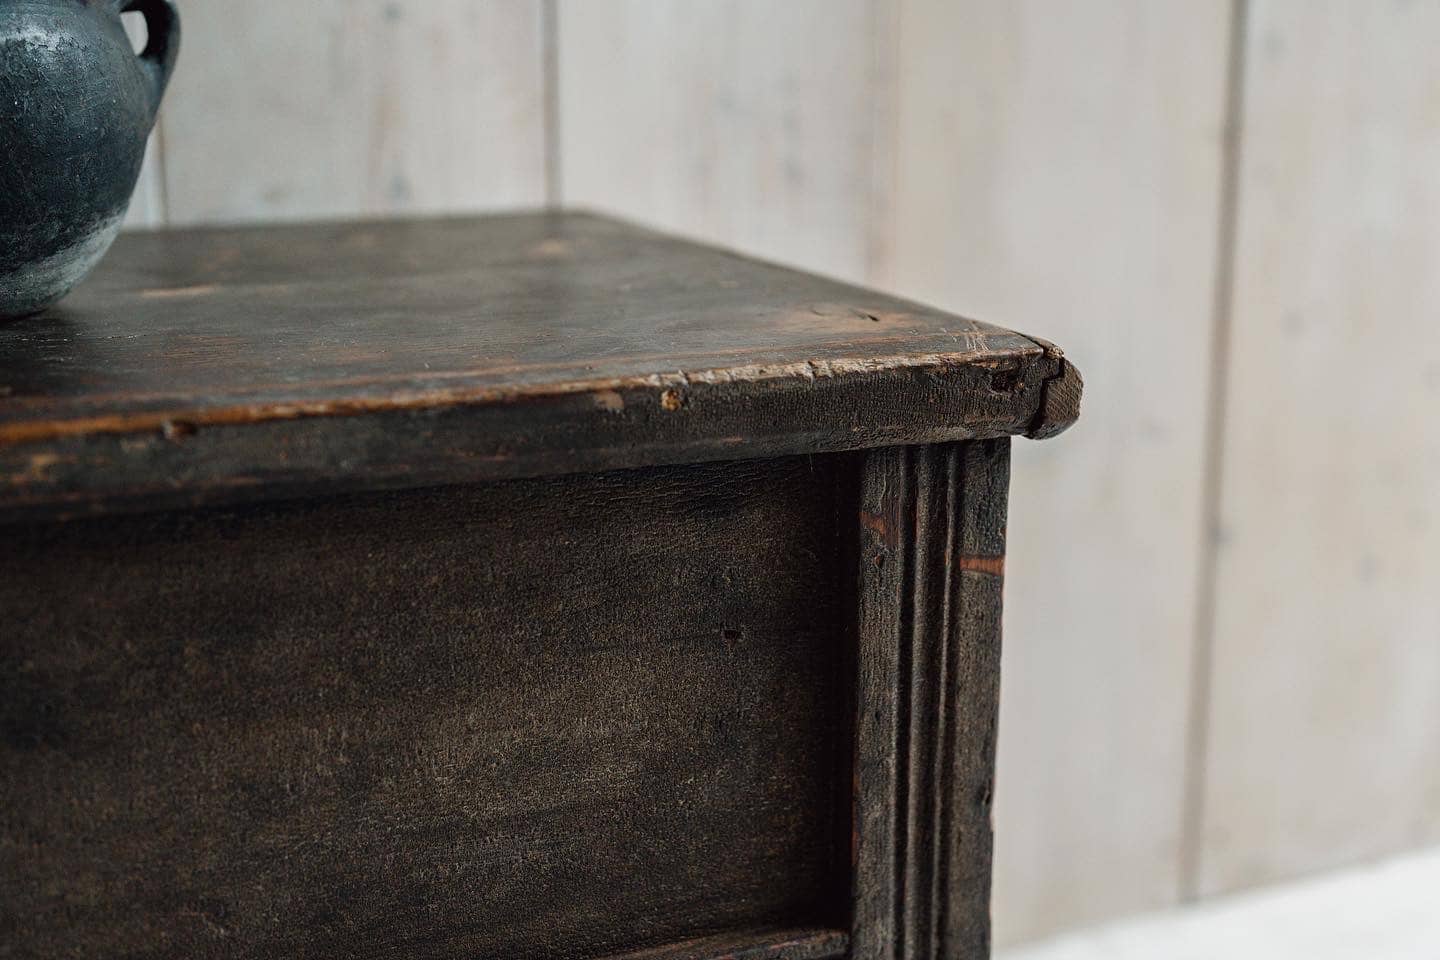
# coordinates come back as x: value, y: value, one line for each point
x: 1192, y: 814
x: 550, y: 64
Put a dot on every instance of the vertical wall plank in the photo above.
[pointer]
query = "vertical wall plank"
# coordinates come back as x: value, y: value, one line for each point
x: 147, y: 203
x: 1057, y: 170
x: 341, y: 107
x: 147, y: 208
x: 1325, y: 719
x: 746, y: 122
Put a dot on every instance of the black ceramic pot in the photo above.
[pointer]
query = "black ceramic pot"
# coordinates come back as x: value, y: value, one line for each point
x: 76, y: 106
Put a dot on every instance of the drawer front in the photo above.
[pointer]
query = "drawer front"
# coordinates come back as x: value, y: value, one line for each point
x: 557, y: 718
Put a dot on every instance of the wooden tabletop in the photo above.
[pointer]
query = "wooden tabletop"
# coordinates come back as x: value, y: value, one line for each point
x: 223, y: 365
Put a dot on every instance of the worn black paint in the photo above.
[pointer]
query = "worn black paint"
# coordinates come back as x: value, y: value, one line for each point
x: 932, y: 565
x: 548, y: 712
x: 205, y: 366
x: 76, y: 106
x: 538, y: 720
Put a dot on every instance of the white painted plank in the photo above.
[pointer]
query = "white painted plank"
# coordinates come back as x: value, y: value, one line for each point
x: 746, y: 122
x: 327, y: 108
x: 1057, y: 171
x: 1383, y: 912
x: 1325, y: 721
x: 146, y: 204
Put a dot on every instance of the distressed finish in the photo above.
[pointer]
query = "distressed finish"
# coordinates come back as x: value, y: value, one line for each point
x: 76, y: 107
x: 216, y: 365
x: 932, y: 552
x: 365, y: 647
x: 516, y: 720
x: 762, y: 945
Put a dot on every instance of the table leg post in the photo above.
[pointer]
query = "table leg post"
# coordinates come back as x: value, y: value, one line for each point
x: 932, y: 556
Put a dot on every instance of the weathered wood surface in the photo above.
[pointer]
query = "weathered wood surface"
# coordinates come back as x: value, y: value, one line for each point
x: 249, y: 363
x: 932, y: 564
x: 1049, y: 166
x: 764, y: 945
x: 557, y: 718
x: 1324, y: 739
x: 1057, y: 169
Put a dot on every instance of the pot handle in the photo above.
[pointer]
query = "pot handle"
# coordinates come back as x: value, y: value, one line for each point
x: 162, y: 22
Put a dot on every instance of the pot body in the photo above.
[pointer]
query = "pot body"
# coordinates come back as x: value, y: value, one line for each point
x: 76, y: 107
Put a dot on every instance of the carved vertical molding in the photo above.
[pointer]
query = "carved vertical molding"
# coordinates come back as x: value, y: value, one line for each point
x: 932, y: 554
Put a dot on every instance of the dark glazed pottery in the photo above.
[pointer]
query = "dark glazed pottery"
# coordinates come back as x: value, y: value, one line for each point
x: 76, y: 106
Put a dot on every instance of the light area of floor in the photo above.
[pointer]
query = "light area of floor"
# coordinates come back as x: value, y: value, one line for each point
x: 1387, y: 911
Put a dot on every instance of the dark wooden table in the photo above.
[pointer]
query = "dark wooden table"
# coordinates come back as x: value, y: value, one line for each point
x: 525, y: 587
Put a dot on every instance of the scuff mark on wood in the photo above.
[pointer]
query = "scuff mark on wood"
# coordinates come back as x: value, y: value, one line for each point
x: 36, y: 468
x: 552, y: 249
x: 176, y: 430
x: 994, y: 566
x: 609, y: 400
x: 175, y: 293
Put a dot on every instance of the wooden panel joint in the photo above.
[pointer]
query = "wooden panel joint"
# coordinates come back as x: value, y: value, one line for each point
x: 1059, y: 395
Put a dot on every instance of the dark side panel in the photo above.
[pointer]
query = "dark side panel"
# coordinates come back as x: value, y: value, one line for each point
x: 540, y: 719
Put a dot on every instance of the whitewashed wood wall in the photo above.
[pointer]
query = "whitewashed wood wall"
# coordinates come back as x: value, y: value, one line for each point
x: 1223, y: 625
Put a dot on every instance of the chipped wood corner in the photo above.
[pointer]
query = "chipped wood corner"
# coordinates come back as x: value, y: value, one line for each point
x: 1060, y: 395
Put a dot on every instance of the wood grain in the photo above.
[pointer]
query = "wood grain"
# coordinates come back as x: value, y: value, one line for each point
x: 266, y: 362
x: 552, y: 719
x: 350, y: 107
x: 744, y: 122
x: 765, y: 945
x: 932, y: 545
x: 1325, y: 719
x: 1057, y: 166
